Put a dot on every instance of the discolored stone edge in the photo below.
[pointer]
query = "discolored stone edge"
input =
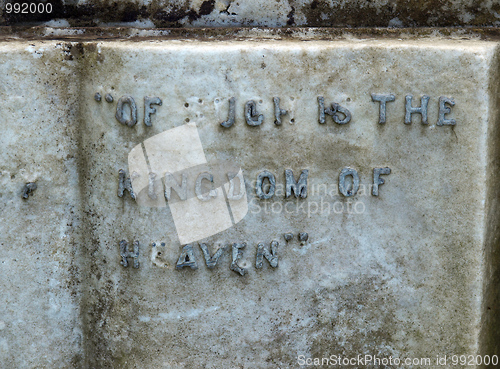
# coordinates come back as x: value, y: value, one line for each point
x: 83, y: 34
x: 490, y: 319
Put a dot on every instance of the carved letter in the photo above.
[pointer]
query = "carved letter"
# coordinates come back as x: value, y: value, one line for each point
x: 382, y: 99
x: 211, y: 260
x: 186, y: 259
x: 252, y: 117
x: 278, y: 112
x: 377, y: 180
x: 171, y: 183
x: 241, y: 192
x: 232, y: 112
x: 443, y: 109
x: 290, y: 185
x: 197, y: 188
x: 260, y: 179
x: 237, y: 255
x: 129, y: 100
x: 124, y: 183
x: 333, y: 112
x: 424, y: 101
x: 151, y: 186
x: 148, y: 109
x: 355, y: 182
x: 262, y: 252
x: 124, y: 253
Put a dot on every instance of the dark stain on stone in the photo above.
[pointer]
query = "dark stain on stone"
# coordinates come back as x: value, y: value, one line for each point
x: 173, y: 16
x: 91, y: 47
x: 426, y: 13
x: 74, y: 51
x: 291, y: 20
x: 318, y: 13
x: 130, y: 13
x: 169, y: 18
x: 344, y: 309
x: 207, y: 7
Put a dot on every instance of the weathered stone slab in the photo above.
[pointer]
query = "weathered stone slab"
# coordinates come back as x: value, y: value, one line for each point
x: 390, y: 251
x: 39, y: 318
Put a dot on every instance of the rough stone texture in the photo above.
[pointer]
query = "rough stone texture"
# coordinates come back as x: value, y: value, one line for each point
x: 40, y: 281
x: 238, y: 13
x: 413, y: 275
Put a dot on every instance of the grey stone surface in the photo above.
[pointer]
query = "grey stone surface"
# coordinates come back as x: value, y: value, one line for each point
x: 40, y: 280
x: 288, y: 13
x: 410, y: 273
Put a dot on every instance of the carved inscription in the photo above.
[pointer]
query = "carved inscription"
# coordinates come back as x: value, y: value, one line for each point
x: 187, y: 257
x: 206, y: 186
x: 444, y: 105
x: 265, y: 184
x: 126, y: 110
x: 342, y: 115
x: 211, y: 260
